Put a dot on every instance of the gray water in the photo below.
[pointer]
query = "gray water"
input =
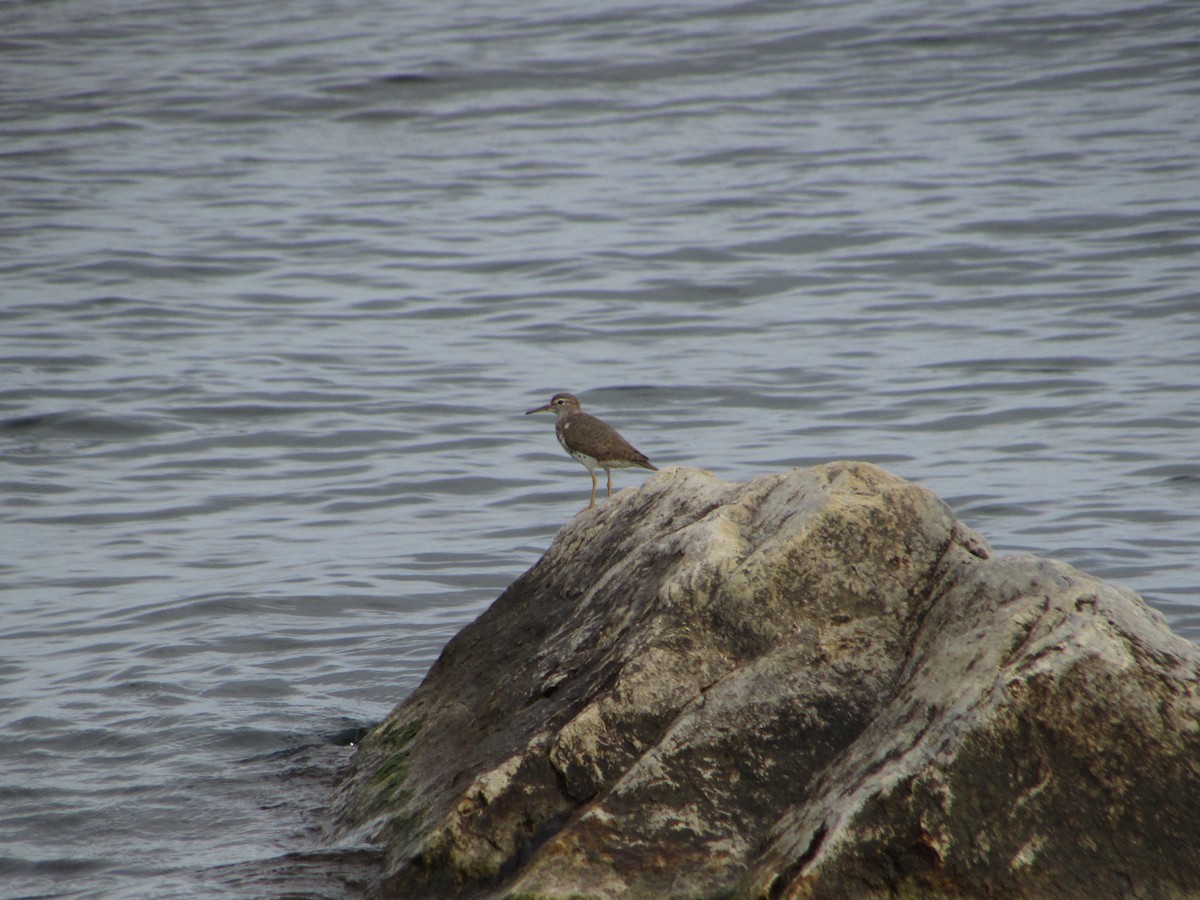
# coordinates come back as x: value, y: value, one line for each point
x: 277, y: 282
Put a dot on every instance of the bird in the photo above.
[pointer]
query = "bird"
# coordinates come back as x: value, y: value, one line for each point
x: 591, y: 441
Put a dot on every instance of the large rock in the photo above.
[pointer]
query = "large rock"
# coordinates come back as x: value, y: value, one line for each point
x: 813, y: 684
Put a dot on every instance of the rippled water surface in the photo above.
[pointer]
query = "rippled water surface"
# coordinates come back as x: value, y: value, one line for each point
x: 278, y: 281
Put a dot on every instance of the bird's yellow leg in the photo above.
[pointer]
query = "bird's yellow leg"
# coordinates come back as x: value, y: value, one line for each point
x: 592, y: 502
x: 608, y: 472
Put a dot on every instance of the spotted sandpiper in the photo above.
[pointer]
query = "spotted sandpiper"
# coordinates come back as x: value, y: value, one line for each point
x: 591, y: 441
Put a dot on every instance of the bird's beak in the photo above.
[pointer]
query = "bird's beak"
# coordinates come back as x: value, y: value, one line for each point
x: 545, y: 408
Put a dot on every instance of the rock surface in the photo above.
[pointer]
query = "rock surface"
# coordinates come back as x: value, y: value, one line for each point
x: 812, y: 684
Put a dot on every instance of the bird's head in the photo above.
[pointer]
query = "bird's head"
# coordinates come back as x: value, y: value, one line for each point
x: 559, y: 404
